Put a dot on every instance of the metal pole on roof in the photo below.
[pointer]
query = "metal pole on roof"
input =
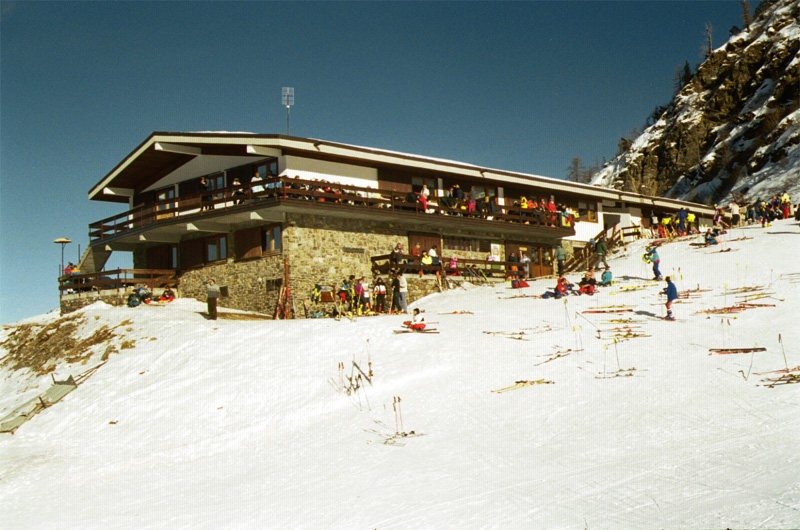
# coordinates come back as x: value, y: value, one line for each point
x: 287, y: 98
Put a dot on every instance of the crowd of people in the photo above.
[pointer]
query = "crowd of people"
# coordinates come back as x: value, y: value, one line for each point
x: 763, y: 212
x: 453, y: 201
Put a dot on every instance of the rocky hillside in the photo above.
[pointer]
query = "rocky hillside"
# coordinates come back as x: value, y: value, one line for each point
x: 735, y: 126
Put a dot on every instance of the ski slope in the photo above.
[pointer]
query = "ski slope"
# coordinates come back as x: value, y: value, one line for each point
x: 246, y: 423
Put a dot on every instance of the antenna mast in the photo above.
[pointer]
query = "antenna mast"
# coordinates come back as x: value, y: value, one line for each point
x: 287, y: 97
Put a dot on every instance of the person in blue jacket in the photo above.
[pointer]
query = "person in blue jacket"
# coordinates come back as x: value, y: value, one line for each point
x: 672, y: 294
x: 651, y: 256
x: 606, y: 278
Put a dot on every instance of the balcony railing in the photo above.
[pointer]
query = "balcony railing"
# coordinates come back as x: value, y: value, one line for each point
x: 483, y: 269
x: 119, y: 279
x: 284, y: 190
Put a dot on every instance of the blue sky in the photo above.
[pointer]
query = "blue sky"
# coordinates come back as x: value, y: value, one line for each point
x: 523, y: 86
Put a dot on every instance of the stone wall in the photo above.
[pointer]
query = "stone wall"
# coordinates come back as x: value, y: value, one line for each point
x: 73, y: 302
x: 252, y: 285
x: 323, y: 250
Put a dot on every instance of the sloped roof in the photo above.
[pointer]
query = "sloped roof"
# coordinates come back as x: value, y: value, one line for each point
x: 164, y: 152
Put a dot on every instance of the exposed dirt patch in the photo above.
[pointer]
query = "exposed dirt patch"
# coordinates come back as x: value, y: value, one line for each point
x: 40, y: 348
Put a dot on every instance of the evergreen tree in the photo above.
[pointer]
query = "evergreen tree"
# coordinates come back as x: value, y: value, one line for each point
x: 577, y: 172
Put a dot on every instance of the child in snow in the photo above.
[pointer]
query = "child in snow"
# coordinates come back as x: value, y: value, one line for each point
x: 606, y: 278
x: 588, y: 283
x: 167, y: 296
x: 672, y: 294
x: 710, y: 238
x: 563, y: 287
x: 417, y: 323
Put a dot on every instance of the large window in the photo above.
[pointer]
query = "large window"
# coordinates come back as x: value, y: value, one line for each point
x: 587, y: 211
x: 216, y: 182
x: 164, y: 196
x: 417, y: 182
x: 271, y: 239
x: 466, y: 244
x: 216, y: 248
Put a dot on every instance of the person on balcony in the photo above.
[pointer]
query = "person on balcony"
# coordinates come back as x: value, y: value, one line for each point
x: 238, y: 192
x: 434, y: 254
x: 256, y: 184
x: 417, y: 253
x: 423, y: 197
x: 205, y: 200
x: 397, y: 253
x: 426, y: 261
x: 551, y: 212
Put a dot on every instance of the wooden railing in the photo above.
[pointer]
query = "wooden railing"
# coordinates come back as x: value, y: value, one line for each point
x: 585, y: 257
x: 410, y: 264
x: 282, y: 189
x: 118, y: 279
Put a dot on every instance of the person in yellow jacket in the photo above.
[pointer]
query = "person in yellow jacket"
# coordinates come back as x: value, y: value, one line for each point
x: 691, y: 227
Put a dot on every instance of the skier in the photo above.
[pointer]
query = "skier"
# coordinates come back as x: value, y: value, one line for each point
x: 672, y: 294
x: 710, y: 238
x: 651, y: 256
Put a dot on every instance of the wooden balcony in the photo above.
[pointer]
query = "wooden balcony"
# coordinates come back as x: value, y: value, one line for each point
x: 119, y: 280
x: 222, y: 210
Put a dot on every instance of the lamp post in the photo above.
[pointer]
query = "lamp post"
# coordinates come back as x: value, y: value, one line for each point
x: 63, y: 241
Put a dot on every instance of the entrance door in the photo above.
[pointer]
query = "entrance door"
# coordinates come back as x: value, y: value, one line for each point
x: 541, y: 261
x: 426, y: 242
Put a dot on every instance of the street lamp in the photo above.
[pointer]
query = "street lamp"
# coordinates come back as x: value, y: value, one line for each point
x: 63, y: 241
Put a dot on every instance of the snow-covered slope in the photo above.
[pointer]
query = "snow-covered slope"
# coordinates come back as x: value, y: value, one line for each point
x: 243, y: 424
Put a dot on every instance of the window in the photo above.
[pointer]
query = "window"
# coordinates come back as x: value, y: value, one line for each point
x: 216, y: 248
x: 587, y: 211
x: 163, y: 198
x: 216, y: 182
x: 465, y: 244
x: 271, y: 239
x: 417, y: 182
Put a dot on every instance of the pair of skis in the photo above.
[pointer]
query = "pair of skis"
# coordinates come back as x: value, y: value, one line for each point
x: 522, y: 384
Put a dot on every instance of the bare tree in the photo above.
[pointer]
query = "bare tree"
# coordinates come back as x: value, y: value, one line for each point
x: 747, y: 18
x: 708, y: 47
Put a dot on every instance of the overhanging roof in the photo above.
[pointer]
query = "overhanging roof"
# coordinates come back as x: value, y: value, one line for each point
x: 164, y: 152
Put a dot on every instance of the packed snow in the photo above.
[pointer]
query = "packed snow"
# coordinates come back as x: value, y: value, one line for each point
x: 248, y: 423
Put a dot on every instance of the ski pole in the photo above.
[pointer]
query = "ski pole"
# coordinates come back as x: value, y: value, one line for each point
x: 616, y: 352
x: 394, y: 409
x: 400, y: 413
x: 780, y: 340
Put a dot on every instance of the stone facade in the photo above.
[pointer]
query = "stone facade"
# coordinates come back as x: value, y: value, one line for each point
x: 319, y: 249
